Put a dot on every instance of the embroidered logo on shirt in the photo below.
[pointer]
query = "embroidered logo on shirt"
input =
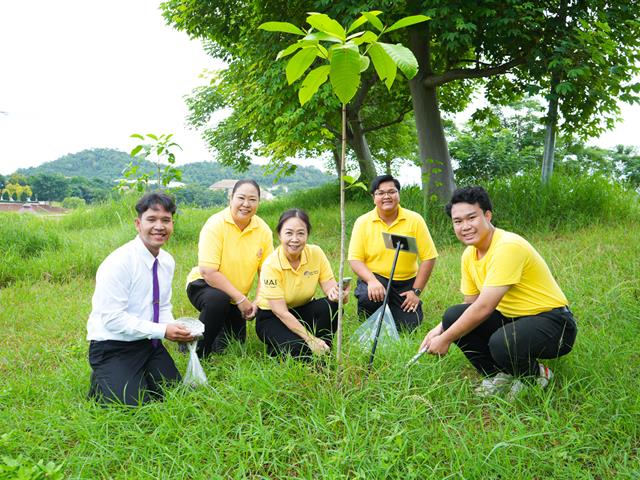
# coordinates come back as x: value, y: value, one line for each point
x: 308, y: 273
x: 270, y: 282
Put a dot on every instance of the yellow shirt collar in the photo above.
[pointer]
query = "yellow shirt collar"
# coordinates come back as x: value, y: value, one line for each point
x: 284, y: 261
x: 253, y: 223
x: 402, y: 215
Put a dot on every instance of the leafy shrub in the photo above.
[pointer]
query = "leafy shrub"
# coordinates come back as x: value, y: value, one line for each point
x: 73, y: 202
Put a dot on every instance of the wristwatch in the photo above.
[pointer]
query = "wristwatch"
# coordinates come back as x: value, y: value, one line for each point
x: 417, y: 291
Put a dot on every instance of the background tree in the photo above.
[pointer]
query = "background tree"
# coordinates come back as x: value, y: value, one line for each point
x: 506, y: 47
x: 3, y: 180
x: 588, y: 68
x: 50, y: 187
x: 266, y: 117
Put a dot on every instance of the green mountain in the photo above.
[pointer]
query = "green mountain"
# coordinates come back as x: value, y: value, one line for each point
x: 107, y: 165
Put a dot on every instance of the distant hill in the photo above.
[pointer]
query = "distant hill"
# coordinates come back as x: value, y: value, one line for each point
x: 107, y: 164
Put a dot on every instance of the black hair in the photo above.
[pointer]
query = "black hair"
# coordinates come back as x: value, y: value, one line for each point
x: 239, y: 183
x: 150, y: 200
x: 381, y: 179
x: 471, y: 195
x: 291, y: 213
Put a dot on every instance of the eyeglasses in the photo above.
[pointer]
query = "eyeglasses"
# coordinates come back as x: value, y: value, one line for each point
x: 382, y: 193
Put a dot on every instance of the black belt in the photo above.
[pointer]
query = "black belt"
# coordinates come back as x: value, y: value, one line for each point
x: 564, y: 309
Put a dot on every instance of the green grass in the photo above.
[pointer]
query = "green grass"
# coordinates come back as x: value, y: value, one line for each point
x: 267, y: 418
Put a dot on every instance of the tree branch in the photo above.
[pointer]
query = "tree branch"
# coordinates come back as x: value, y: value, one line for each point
x: 388, y: 124
x: 463, y: 73
x: 358, y: 100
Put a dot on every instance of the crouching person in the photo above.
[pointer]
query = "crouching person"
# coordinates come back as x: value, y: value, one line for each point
x: 131, y: 312
x: 514, y: 312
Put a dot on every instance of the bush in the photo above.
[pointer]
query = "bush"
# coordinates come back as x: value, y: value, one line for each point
x: 72, y: 203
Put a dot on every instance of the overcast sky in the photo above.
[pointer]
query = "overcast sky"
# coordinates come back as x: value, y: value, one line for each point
x: 78, y: 74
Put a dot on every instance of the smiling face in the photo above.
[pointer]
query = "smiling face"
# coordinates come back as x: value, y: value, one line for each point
x: 471, y: 225
x: 154, y: 226
x: 293, y: 237
x: 244, y: 204
x: 386, y: 198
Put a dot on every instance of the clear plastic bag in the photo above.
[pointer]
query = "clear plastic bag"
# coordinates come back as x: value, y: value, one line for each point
x: 366, y: 332
x: 194, y: 375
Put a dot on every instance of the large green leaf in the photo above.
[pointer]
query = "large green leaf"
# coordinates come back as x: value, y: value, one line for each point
x: 403, y: 58
x: 374, y: 20
x: 385, y: 66
x: 288, y: 51
x: 407, y: 21
x: 364, y: 63
x: 285, y: 27
x: 312, y: 83
x: 366, y: 37
x: 322, y: 36
x: 345, y: 71
x: 325, y: 24
x: 299, y: 63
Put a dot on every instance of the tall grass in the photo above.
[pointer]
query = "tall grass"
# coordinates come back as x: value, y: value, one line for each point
x: 277, y: 418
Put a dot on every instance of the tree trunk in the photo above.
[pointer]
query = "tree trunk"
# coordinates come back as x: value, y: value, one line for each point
x: 552, y: 113
x: 437, y: 172
x: 550, y: 132
x: 360, y: 146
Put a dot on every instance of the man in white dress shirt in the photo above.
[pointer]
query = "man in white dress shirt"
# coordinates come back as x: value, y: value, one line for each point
x: 132, y: 312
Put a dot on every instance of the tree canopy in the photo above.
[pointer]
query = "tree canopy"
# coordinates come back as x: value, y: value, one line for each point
x: 508, y: 48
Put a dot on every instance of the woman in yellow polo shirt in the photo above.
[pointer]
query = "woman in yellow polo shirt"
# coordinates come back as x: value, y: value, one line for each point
x: 232, y: 247
x: 289, y: 320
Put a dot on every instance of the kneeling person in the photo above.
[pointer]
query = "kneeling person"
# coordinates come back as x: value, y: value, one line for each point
x: 132, y: 312
x: 514, y: 312
x: 372, y: 261
x: 289, y: 320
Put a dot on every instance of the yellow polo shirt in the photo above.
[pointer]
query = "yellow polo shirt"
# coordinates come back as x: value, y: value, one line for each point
x: 278, y: 280
x: 511, y: 260
x: 367, y: 244
x: 237, y: 254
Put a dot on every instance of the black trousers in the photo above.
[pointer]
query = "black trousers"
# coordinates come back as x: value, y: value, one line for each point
x: 405, y: 321
x: 318, y: 316
x: 513, y: 345
x: 130, y: 373
x: 222, y: 320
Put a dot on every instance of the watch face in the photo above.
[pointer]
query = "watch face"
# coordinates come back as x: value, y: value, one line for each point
x: 417, y: 291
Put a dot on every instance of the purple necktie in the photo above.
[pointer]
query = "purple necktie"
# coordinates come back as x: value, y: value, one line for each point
x: 156, y: 301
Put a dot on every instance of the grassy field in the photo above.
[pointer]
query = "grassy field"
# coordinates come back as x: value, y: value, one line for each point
x: 268, y: 418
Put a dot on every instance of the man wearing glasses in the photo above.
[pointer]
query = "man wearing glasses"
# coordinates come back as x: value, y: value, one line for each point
x: 371, y: 260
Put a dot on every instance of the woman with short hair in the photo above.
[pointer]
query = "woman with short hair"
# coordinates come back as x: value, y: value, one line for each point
x: 289, y: 320
x: 232, y: 247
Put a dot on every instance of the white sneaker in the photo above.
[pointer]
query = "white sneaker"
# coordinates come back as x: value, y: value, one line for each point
x: 544, y: 377
x: 494, y: 385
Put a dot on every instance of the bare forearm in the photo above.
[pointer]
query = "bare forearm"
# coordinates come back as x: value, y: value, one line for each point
x: 217, y: 280
x: 361, y: 270
x: 293, y: 324
x: 469, y: 320
x: 424, y: 273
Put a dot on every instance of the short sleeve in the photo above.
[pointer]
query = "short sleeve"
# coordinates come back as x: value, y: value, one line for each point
x: 468, y: 285
x: 271, y: 287
x: 506, y: 265
x: 356, y: 246
x: 326, y: 273
x: 426, y: 247
x: 267, y: 246
x: 210, y: 245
